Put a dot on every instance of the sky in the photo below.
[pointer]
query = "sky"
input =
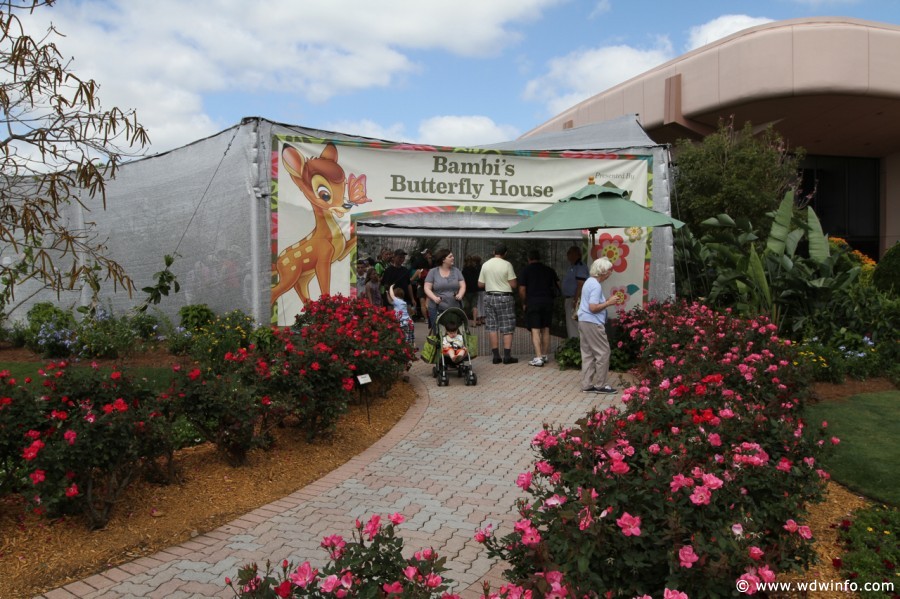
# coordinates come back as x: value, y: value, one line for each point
x: 455, y: 73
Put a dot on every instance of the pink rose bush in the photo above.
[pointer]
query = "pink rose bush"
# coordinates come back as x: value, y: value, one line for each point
x: 701, y: 478
x: 371, y: 564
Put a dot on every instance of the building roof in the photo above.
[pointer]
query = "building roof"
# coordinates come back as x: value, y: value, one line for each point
x: 829, y: 84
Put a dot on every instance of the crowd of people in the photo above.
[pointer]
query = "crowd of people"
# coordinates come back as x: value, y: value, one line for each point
x: 425, y: 286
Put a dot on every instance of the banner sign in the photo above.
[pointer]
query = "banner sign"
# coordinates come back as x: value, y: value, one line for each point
x: 321, y: 187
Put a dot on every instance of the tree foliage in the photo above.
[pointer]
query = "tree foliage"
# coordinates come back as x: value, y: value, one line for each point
x: 59, y: 147
x: 734, y: 172
x: 887, y: 272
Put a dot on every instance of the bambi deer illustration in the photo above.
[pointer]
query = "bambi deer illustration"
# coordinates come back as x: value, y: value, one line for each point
x: 322, y: 182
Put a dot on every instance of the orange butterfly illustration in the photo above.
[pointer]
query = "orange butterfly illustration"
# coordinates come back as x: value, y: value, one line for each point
x: 357, y: 190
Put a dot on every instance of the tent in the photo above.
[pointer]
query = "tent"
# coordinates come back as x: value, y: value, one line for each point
x: 228, y: 207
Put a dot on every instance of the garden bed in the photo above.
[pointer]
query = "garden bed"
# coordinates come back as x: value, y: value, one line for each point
x: 37, y: 555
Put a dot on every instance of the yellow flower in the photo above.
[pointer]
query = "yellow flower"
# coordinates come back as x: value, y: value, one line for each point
x: 870, y: 529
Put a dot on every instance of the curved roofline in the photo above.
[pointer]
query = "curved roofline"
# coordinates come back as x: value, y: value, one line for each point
x: 747, y: 50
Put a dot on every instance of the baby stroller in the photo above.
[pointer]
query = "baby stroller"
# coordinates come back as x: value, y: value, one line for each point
x: 453, y: 318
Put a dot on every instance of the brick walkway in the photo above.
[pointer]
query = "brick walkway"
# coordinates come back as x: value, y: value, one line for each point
x: 449, y: 467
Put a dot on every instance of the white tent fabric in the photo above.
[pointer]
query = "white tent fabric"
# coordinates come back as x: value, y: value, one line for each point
x: 208, y: 203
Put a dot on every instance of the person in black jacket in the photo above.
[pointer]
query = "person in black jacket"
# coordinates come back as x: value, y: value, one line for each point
x: 538, y: 287
x: 397, y: 274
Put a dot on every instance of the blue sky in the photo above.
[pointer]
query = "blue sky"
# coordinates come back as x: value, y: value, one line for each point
x: 464, y: 72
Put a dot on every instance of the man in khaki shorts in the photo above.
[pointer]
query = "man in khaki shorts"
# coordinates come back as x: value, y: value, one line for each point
x: 498, y: 279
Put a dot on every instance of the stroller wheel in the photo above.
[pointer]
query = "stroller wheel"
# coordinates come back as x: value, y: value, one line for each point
x: 472, y: 379
x: 443, y: 381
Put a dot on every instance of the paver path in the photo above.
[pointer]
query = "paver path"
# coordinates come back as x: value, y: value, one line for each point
x: 449, y: 467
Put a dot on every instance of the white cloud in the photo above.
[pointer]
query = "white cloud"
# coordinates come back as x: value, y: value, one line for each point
x: 582, y: 74
x: 601, y: 7
x: 822, y: 3
x: 369, y: 128
x: 161, y: 57
x: 721, y: 27
x: 464, y: 131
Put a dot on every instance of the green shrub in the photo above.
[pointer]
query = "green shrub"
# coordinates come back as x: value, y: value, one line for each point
x: 179, y: 341
x: 886, y: 276
x: 820, y: 363
x: 50, y: 330
x: 872, y: 551
x: 568, y: 354
x: 146, y: 326
x: 854, y: 258
x: 265, y: 339
x: 220, y: 336
x: 857, y: 333
x: 224, y: 410
x: 195, y: 316
x: 18, y: 334
x: 102, y: 335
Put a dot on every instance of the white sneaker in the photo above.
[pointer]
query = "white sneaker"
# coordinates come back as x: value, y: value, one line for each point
x: 545, y: 359
x: 537, y: 362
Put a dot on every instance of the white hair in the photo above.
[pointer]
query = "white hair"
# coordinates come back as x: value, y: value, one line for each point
x: 601, y: 266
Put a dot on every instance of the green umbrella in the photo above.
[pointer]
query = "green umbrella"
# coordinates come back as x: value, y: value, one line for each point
x: 594, y: 207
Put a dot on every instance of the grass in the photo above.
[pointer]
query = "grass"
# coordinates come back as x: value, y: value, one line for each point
x: 866, y: 459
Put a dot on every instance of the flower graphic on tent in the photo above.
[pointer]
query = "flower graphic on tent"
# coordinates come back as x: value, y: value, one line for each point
x: 634, y: 233
x: 614, y: 248
x: 622, y: 292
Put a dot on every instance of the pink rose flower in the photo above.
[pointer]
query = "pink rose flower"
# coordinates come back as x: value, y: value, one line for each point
x: 687, y: 557
x: 752, y: 581
x: 304, y: 575
x: 630, y: 525
x: 766, y: 573
x: 701, y: 496
x: 394, y: 587
x: 524, y: 481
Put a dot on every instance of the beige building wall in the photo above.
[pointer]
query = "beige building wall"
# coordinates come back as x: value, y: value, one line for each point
x: 828, y: 84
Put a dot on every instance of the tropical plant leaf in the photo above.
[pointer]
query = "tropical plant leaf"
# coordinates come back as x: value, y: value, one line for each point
x: 793, y: 239
x: 757, y: 275
x: 781, y: 225
x: 723, y: 220
x: 818, y: 243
